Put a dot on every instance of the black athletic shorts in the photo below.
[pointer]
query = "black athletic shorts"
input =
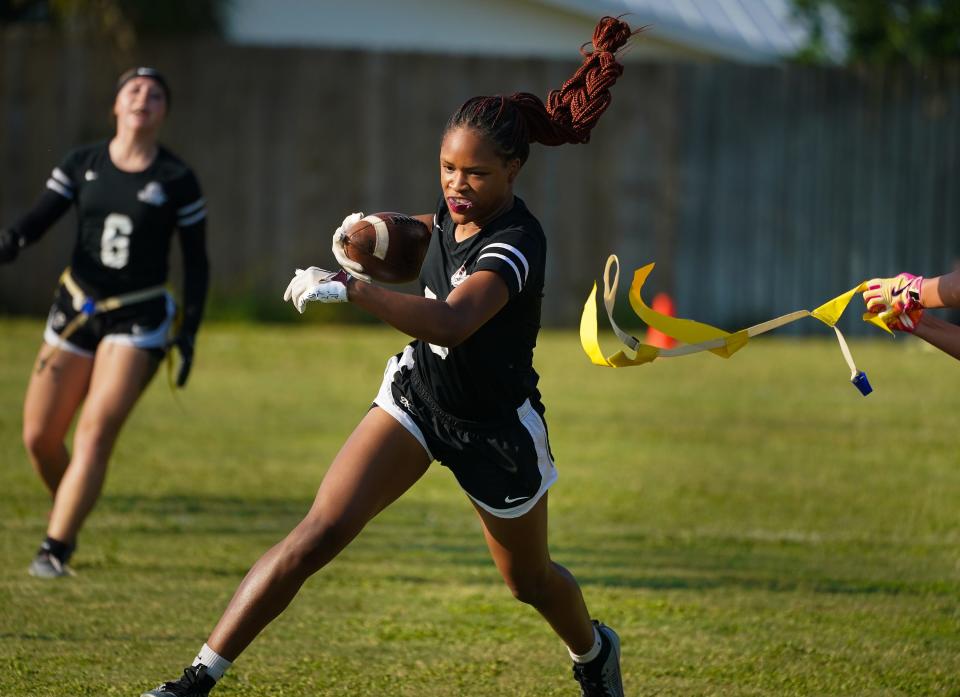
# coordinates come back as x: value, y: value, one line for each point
x: 505, y: 466
x: 145, y: 325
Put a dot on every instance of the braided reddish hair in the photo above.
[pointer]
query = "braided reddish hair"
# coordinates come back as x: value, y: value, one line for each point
x: 513, y: 122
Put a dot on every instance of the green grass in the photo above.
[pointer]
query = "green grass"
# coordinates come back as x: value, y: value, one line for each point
x: 750, y: 527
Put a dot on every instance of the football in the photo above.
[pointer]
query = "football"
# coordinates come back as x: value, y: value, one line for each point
x: 389, y: 246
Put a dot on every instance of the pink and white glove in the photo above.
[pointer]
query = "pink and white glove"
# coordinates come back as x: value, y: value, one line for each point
x: 903, y: 320
x: 900, y: 293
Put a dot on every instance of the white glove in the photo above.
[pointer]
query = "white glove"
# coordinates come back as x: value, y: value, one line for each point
x: 339, y: 236
x: 316, y: 284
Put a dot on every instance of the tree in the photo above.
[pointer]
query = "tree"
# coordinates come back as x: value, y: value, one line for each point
x: 135, y: 18
x: 880, y: 32
x: 119, y: 24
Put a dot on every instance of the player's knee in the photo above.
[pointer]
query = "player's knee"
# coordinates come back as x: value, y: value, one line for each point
x: 315, y: 542
x: 529, y: 588
x: 39, y: 444
x: 97, y: 434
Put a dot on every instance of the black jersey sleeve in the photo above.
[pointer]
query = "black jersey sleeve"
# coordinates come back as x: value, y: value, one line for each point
x: 513, y: 254
x: 45, y: 212
x: 56, y: 199
x: 65, y: 179
x: 191, y: 206
x: 192, y: 225
x: 196, y: 275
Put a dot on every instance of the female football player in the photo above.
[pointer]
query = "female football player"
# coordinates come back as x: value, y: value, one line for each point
x: 464, y: 392
x: 108, y: 327
x: 902, y: 299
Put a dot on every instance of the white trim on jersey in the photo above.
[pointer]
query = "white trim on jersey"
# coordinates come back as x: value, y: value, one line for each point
x: 509, y: 261
x: 61, y: 177
x: 516, y: 252
x: 196, y: 205
x: 191, y: 219
x: 441, y: 351
x: 64, y: 190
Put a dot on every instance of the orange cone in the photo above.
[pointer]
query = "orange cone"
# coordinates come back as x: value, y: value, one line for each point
x: 663, y: 304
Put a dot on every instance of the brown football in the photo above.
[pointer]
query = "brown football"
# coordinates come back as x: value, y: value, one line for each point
x: 389, y: 246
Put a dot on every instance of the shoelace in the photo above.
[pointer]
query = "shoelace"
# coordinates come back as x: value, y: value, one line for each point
x: 592, y: 685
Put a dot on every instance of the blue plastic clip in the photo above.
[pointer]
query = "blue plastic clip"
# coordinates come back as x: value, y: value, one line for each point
x: 861, y: 383
x: 88, y: 306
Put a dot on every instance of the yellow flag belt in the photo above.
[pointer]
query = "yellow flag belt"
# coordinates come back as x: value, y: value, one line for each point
x: 696, y: 337
x: 87, y: 307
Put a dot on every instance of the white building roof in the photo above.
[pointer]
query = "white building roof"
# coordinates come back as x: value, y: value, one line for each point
x: 757, y: 31
x: 745, y: 30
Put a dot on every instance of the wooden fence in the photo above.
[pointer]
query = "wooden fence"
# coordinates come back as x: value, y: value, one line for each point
x: 756, y: 190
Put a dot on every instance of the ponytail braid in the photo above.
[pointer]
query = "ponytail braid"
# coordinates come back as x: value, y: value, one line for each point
x: 577, y: 106
x: 513, y: 122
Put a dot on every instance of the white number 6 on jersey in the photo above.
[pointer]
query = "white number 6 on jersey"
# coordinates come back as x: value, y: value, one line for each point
x: 115, y: 242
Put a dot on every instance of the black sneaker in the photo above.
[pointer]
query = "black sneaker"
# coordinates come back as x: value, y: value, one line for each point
x: 601, y: 676
x: 47, y: 565
x: 193, y: 683
x: 51, y: 560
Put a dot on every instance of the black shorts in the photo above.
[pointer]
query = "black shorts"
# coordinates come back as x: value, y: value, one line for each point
x: 145, y: 325
x: 504, y: 466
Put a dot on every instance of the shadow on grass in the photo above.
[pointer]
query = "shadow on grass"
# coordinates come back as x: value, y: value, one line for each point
x: 445, y: 536
x: 783, y: 583
x: 155, y: 637
x: 225, y: 515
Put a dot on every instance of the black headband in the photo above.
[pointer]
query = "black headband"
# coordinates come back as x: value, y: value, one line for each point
x: 151, y: 73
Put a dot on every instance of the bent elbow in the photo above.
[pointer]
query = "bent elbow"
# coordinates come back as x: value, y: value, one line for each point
x: 452, y: 334
x: 450, y: 338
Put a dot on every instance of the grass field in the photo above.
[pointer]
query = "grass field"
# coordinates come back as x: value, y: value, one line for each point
x: 750, y: 527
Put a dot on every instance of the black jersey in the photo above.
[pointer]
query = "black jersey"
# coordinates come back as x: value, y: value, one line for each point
x: 491, y: 373
x: 126, y: 219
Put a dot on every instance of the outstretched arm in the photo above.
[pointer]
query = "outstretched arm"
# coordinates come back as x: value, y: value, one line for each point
x: 942, y: 334
x: 906, y: 290
x: 941, y: 291
x: 45, y: 212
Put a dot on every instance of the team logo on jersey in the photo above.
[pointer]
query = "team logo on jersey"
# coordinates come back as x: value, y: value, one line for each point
x: 90, y: 175
x: 58, y: 320
x: 459, y: 277
x: 153, y: 194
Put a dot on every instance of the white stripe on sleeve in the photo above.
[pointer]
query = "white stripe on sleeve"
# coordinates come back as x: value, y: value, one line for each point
x: 512, y: 265
x: 513, y: 250
x: 59, y: 175
x: 54, y: 185
x: 191, y: 219
x: 196, y: 205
